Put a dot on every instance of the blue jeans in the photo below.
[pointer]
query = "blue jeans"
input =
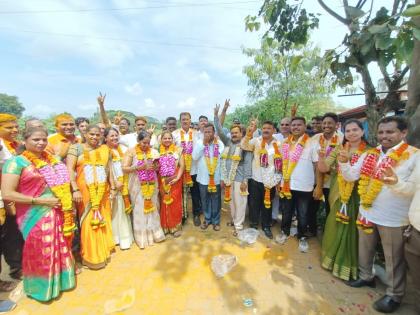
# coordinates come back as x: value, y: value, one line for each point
x: 211, y: 204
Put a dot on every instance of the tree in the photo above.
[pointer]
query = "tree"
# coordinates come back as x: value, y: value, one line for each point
x: 413, y: 103
x: 279, y: 79
x: 11, y: 105
x: 383, y: 38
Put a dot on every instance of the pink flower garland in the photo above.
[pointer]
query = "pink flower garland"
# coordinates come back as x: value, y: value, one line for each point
x: 167, y: 165
x: 187, y: 147
x: 55, y: 175
x: 145, y: 175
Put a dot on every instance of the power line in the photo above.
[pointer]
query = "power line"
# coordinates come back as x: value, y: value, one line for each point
x: 139, y: 41
x: 89, y: 10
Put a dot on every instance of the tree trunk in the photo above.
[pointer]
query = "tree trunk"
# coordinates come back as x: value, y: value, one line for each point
x: 372, y: 114
x: 412, y: 110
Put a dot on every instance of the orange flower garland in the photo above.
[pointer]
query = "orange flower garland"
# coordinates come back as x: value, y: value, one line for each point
x: 164, y: 169
x: 147, y: 179
x: 370, y: 184
x: 11, y: 146
x: 122, y: 178
x: 229, y: 177
x: 96, y: 178
x: 345, y: 188
x: 211, y: 164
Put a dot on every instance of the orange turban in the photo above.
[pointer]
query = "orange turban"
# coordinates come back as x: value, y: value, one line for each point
x: 7, y: 117
x: 62, y: 117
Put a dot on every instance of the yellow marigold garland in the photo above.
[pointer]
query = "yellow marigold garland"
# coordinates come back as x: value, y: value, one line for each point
x: 123, y: 179
x: 147, y: 179
x: 187, y: 147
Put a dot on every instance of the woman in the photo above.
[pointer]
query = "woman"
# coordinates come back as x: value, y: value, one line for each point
x: 82, y: 123
x: 39, y: 185
x: 141, y: 163
x: 171, y: 168
x: 89, y: 164
x: 339, y: 245
x: 121, y: 206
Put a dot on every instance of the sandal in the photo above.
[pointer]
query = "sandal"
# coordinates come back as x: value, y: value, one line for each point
x: 7, y: 286
x: 235, y: 233
x: 177, y: 234
x: 204, y: 225
x: 216, y: 227
x: 230, y: 223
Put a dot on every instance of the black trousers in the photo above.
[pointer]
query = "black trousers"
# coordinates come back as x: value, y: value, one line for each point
x: 11, y: 243
x: 256, y: 205
x: 195, y: 196
x: 300, y: 201
x: 314, y: 209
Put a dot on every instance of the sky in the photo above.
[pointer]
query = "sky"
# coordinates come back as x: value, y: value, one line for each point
x: 154, y: 58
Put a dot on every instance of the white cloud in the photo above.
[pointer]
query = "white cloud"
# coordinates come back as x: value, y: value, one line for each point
x: 133, y: 89
x: 149, y: 103
x: 204, y: 76
x: 187, y: 103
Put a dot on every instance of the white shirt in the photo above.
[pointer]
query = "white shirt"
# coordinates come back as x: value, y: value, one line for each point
x: 196, y: 136
x: 278, y: 136
x: 202, y: 170
x: 254, y: 145
x: 410, y: 188
x: 4, y: 154
x: 130, y: 140
x: 388, y: 209
x: 303, y: 176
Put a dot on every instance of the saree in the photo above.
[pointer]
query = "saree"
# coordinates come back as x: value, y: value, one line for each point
x: 339, y: 252
x: 146, y: 226
x: 47, y: 262
x: 96, y: 243
x: 121, y: 222
x: 171, y: 215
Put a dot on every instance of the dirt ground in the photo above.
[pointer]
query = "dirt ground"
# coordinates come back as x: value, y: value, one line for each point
x: 175, y: 277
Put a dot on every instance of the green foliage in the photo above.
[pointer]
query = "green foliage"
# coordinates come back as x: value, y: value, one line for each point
x: 11, y: 105
x: 288, y: 24
x: 277, y: 80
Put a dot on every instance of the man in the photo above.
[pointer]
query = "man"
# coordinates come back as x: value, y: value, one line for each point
x: 186, y: 138
x: 202, y: 122
x: 299, y: 161
x: 171, y: 124
x: 316, y: 124
x: 326, y: 141
x: 236, y: 171
x: 130, y: 139
x: 123, y: 126
x: 412, y: 233
x: 382, y: 213
x: 11, y: 240
x: 265, y: 175
x: 284, y: 127
x: 59, y: 143
x: 207, y: 153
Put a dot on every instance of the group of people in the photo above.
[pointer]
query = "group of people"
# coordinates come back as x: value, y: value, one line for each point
x: 74, y: 198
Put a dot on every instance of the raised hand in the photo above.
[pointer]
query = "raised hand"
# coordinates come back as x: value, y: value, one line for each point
x: 226, y: 106
x: 322, y: 153
x: 389, y: 177
x: 101, y: 99
x: 152, y: 128
x: 344, y: 154
x: 117, y: 118
x: 216, y: 110
x: 252, y: 127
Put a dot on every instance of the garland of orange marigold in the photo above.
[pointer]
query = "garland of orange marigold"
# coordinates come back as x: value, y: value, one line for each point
x: 290, y: 160
x: 11, y: 146
x: 96, y: 178
x: 57, y: 178
x: 187, y: 148
x: 122, y: 178
x: 211, y: 163
x: 345, y: 188
x: 147, y: 179
x: 370, y: 183
x: 277, y: 161
x: 167, y: 169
